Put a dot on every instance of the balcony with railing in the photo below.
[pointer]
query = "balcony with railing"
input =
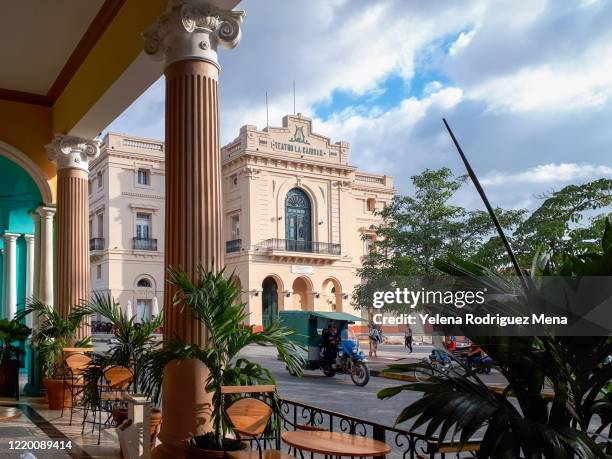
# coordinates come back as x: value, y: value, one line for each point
x: 96, y: 243
x: 144, y: 244
x: 292, y: 249
x: 233, y: 246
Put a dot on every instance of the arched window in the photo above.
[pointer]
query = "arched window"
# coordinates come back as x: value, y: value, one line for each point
x: 298, y: 218
x: 144, y: 283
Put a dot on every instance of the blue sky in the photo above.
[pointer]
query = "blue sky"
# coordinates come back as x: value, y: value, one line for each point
x: 526, y: 85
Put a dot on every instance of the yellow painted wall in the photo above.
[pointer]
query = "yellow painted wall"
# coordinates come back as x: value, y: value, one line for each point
x: 28, y: 128
x: 114, y: 52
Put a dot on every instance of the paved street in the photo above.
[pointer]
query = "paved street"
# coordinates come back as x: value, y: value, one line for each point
x: 339, y: 393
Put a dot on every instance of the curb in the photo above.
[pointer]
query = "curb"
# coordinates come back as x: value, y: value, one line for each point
x: 395, y: 376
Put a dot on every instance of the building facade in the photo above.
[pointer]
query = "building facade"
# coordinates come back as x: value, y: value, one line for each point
x: 126, y: 223
x: 296, y: 219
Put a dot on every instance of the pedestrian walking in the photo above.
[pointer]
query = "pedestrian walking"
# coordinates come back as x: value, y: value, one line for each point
x: 408, y: 338
x: 375, y: 338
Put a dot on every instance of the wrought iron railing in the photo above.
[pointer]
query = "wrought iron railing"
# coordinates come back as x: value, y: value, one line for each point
x: 96, y: 243
x: 404, y: 444
x: 291, y: 245
x: 233, y: 246
x: 145, y: 244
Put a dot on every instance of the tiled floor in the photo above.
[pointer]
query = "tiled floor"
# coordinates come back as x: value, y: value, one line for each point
x: 39, y: 424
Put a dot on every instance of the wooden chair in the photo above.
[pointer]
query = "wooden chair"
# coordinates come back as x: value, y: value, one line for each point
x: 116, y: 382
x: 249, y: 418
x: 74, y: 383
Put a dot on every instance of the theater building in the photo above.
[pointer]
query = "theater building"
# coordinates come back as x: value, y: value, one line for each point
x: 297, y: 218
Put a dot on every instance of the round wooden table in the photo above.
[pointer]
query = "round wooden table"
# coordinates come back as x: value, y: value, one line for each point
x: 6, y: 414
x: 335, y: 443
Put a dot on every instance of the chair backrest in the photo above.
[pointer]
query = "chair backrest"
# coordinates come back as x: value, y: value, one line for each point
x: 249, y: 416
x: 118, y: 377
x: 77, y: 363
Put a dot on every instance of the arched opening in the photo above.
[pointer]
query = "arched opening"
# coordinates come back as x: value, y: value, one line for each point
x: 332, y: 295
x: 144, y: 283
x: 269, y: 301
x: 302, y: 294
x: 144, y: 299
x: 298, y: 221
x: 19, y: 194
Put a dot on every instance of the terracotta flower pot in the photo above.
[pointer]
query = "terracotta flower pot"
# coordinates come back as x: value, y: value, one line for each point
x: 57, y: 393
x: 156, y: 419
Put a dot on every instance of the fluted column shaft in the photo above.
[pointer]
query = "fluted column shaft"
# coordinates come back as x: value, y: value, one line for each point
x: 72, y: 243
x: 193, y: 183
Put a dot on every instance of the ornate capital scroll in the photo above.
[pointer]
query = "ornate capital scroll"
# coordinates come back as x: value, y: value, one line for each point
x: 192, y: 29
x: 73, y: 152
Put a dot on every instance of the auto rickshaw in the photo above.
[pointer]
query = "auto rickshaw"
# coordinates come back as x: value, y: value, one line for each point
x: 309, y: 326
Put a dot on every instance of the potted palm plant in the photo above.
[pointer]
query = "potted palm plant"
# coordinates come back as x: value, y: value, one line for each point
x: 11, y: 332
x: 213, y: 299
x: 133, y: 341
x: 53, y: 334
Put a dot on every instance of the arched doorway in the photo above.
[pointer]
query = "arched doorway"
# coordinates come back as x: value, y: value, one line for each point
x: 269, y: 301
x: 298, y: 221
x: 302, y: 294
x: 332, y: 294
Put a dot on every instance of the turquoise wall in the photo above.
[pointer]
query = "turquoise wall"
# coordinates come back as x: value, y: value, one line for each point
x: 18, y: 195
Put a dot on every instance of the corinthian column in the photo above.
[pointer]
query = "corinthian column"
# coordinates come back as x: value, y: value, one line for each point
x: 72, y: 155
x: 186, y: 38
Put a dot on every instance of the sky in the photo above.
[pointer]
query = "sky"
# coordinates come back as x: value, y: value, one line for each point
x: 525, y: 85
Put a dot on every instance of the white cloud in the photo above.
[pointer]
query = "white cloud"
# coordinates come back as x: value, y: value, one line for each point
x: 549, y: 173
x: 563, y: 86
x: 463, y: 41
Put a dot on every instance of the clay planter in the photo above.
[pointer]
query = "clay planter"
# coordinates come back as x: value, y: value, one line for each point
x: 56, y: 393
x: 156, y: 419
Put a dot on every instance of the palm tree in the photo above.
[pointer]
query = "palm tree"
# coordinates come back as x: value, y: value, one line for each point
x: 54, y: 332
x: 213, y: 299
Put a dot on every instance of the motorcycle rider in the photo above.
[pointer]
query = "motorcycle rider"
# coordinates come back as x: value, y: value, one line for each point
x: 331, y: 340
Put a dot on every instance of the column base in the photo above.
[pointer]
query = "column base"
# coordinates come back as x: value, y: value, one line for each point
x: 186, y: 407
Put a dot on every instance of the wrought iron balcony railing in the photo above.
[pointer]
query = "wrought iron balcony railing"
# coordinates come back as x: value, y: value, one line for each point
x: 233, y: 246
x: 291, y: 245
x: 96, y: 243
x: 145, y: 244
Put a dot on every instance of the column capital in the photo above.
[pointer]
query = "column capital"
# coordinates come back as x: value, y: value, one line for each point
x: 193, y: 30
x: 10, y: 237
x: 46, y: 212
x: 29, y: 238
x: 73, y: 152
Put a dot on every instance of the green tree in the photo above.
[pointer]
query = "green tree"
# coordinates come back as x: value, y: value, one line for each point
x: 557, y: 226
x: 417, y: 229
